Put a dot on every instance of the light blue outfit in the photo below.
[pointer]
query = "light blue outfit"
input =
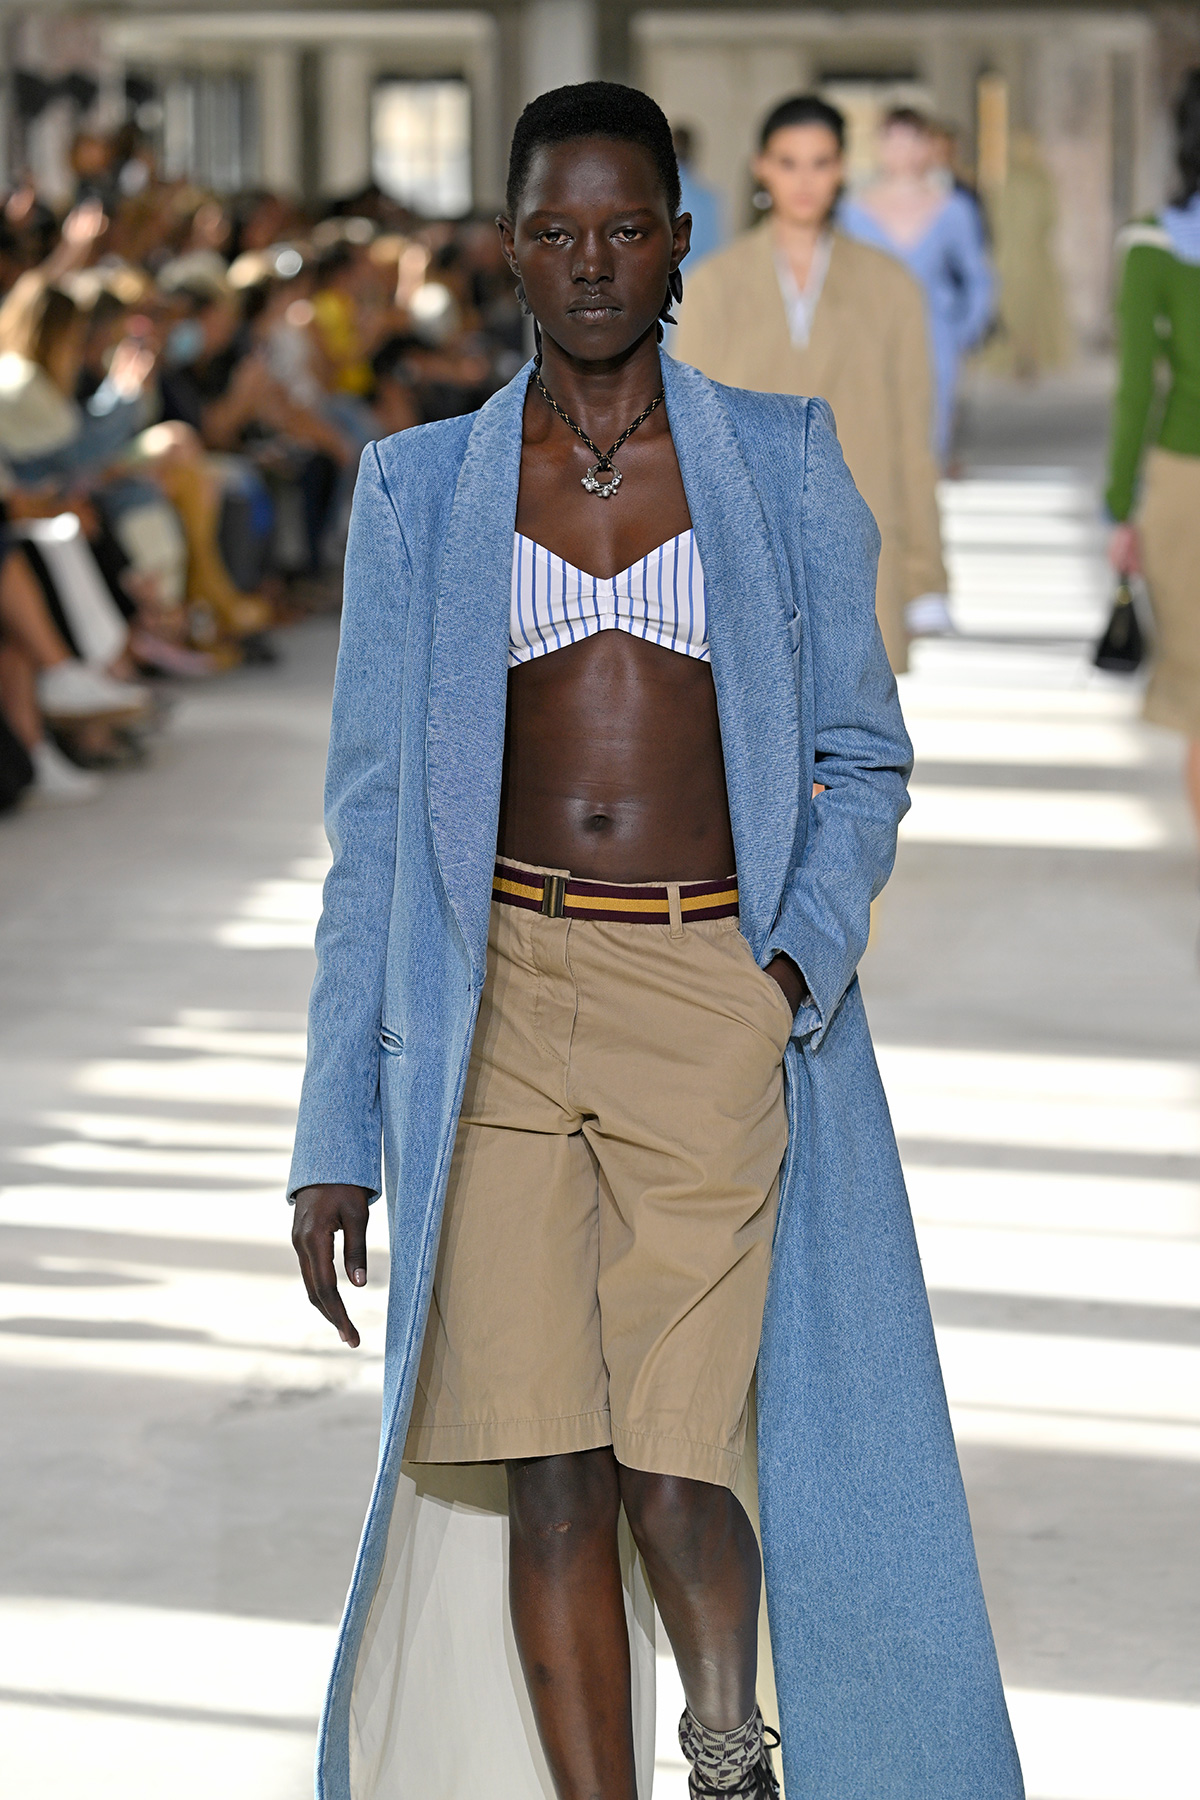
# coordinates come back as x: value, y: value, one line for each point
x: 708, y: 228
x: 1182, y: 226
x: 886, y: 1673
x: 951, y: 262
x: 708, y: 224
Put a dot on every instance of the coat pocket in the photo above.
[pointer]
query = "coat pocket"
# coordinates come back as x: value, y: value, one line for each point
x: 390, y: 1042
x: 795, y: 631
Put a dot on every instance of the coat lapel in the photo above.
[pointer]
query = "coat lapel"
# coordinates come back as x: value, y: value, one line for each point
x: 748, y: 601
x: 833, y: 327
x: 468, y: 672
x: 807, y: 370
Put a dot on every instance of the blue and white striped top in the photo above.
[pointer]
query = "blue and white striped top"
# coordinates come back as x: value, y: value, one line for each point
x: 660, y: 598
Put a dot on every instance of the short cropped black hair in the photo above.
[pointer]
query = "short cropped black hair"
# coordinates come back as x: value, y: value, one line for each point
x: 1187, y: 132
x: 593, y: 109
x: 803, y: 109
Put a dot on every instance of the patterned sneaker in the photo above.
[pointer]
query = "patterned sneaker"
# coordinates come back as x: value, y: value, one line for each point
x: 730, y: 1765
x: 759, y: 1783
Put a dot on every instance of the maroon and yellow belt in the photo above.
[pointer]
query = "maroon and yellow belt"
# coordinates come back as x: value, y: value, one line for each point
x: 647, y: 903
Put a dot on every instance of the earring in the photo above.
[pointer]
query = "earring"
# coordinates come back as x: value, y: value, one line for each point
x: 674, y: 295
x: 522, y: 302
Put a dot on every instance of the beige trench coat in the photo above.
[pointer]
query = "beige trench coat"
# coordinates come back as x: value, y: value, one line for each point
x: 868, y: 357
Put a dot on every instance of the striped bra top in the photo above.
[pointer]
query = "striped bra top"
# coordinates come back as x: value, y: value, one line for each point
x: 660, y: 598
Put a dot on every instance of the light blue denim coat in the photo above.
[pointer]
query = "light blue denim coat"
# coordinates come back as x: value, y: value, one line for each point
x: 886, y: 1673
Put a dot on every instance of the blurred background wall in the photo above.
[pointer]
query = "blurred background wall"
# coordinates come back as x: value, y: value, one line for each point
x: 320, y: 101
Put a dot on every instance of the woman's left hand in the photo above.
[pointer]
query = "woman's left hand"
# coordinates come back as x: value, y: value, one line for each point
x: 789, y: 980
x: 1125, y: 549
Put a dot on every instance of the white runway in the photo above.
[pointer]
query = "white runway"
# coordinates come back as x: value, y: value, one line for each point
x: 187, y: 1449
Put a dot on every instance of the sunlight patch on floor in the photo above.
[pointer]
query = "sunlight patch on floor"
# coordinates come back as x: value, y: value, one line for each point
x: 1041, y: 819
x: 138, y: 1703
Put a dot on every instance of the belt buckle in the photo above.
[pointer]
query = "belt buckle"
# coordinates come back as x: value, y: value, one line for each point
x: 554, y: 895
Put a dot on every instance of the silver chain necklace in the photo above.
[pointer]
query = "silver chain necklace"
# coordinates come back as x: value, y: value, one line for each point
x: 603, y: 465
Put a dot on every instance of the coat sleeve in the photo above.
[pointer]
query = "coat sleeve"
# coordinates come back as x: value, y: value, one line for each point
x: 863, y: 756
x: 1140, y: 304
x: 338, y: 1131
x: 704, y: 331
x: 973, y: 268
x: 922, y: 568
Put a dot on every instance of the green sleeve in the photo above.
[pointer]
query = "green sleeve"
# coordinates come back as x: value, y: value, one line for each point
x: 1139, y: 306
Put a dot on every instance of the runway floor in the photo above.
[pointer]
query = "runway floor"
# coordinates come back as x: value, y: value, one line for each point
x: 186, y: 1450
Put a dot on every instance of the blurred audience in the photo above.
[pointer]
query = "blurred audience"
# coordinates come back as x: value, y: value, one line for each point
x: 187, y: 382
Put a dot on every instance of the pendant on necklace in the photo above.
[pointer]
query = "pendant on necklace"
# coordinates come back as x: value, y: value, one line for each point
x: 604, y: 490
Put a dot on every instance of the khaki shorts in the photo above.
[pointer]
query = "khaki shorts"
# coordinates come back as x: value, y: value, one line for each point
x: 611, y: 1205
x: 1170, y: 528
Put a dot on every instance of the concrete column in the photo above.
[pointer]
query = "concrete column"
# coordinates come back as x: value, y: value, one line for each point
x: 345, y: 107
x: 558, y: 44
x: 950, y: 66
x: 279, y: 120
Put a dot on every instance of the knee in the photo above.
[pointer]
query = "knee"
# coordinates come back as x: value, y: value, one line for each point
x: 676, y: 1522
x: 169, y: 439
x: 559, y: 1504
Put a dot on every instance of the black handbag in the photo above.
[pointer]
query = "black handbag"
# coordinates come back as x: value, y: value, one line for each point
x: 1122, y: 646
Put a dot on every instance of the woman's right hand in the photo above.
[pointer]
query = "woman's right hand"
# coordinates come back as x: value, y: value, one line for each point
x: 1125, y: 550
x: 320, y: 1213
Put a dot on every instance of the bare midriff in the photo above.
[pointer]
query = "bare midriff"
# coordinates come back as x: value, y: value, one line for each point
x: 613, y: 766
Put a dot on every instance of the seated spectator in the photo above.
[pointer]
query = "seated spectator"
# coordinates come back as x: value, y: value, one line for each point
x: 54, y: 446
x: 187, y: 382
x: 396, y: 403
x: 346, y: 338
x: 41, y: 681
x: 283, y: 428
x: 45, y: 434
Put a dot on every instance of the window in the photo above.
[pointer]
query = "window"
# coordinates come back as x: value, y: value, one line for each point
x: 202, y: 124
x: 866, y: 100
x: 421, y: 145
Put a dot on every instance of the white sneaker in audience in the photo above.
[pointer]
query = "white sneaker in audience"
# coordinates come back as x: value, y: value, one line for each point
x: 56, y: 780
x: 75, y: 690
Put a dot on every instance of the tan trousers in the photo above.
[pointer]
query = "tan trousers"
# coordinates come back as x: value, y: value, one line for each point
x: 1170, y: 529
x: 611, y: 1205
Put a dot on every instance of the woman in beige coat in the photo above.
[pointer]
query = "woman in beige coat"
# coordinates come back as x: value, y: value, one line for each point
x: 795, y: 307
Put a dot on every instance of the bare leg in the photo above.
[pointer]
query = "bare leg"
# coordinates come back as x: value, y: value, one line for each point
x: 26, y: 617
x: 702, y: 1558
x: 193, y: 491
x: 1192, y: 779
x: 18, y: 694
x: 568, y: 1614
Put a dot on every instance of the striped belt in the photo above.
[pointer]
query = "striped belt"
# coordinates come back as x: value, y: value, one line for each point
x: 647, y: 903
